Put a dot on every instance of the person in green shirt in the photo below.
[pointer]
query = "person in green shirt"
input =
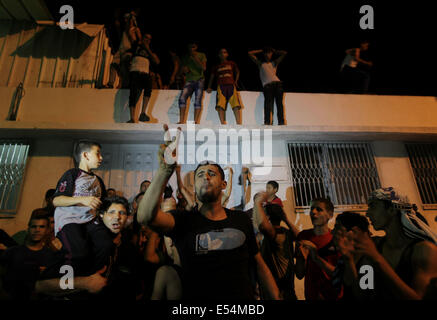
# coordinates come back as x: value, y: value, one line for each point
x: 193, y: 65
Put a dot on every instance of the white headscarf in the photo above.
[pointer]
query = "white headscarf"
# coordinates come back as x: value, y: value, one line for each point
x: 412, y: 225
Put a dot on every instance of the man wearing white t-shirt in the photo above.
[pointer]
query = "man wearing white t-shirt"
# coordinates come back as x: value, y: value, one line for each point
x: 272, y: 86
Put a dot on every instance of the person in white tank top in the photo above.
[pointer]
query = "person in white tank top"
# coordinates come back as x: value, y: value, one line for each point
x: 272, y: 86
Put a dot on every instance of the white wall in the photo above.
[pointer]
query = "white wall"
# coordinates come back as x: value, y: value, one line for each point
x: 70, y: 106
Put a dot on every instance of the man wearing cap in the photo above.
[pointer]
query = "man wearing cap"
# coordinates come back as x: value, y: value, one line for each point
x: 217, y: 246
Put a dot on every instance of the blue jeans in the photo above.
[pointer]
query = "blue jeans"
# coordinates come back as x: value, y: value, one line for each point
x: 192, y: 86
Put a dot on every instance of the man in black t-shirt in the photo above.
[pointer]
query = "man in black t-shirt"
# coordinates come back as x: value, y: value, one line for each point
x: 217, y: 246
x: 23, y: 264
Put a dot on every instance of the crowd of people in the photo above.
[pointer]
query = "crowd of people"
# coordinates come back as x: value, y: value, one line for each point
x: 137, y: 67
x: 189, y: 245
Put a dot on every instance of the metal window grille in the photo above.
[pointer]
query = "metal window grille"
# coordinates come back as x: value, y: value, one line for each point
x: 13, y: 158
x: 423, y: 159
x: 344, y: 172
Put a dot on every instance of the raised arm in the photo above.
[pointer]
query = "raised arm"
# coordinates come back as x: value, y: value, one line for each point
x: 291, y: 226
x: 252, y: 55
x: 149, y: 212
x: 281, y: 57
x: 153, y: 56
x: 189, y: 196
x: 227, y: 194
x: 260, y: 216
x: 247, y: 185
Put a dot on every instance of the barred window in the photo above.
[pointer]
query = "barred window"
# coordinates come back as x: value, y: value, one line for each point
x: 13, y: 157
x: 423, y: 159
x: 344, y: 172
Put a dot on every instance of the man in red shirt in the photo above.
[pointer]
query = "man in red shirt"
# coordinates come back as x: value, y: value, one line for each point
x: 316, y: 256
x: 227, y: 74
x: 272, y: 188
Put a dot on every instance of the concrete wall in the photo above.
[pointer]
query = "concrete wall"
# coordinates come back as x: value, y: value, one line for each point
x: 50, y: 158
x: 109, y: 106
x: 83, y: 110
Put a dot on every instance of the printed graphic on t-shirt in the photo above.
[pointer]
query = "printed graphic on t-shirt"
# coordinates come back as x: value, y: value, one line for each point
x: 222, y: 239
x: 86, y: 186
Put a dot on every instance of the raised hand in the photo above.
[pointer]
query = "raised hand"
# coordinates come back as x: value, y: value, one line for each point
x: 167, y: 154
x: 260, y: 197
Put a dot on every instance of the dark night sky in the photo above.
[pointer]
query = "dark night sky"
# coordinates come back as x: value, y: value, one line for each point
x: 314, y: 34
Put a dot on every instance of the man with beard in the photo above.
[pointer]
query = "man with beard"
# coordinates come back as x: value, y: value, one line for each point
x: 217, y: 246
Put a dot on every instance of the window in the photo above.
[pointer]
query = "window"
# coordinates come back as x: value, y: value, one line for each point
x: 423, y: 159
x: 13, y: 157
x: 344, y: 172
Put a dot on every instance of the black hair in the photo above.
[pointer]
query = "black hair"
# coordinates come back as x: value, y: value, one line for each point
x: 49, y: 194
x: 205, y: 163
x: 39, y: 214
x: 275, y: 213
x: 144, y: 182
x: 107, y: 202
x: 350, y: 219
x: 326, y: 201
x: 168, y: 192
x: 267, y: 49
x: 274, y: 184
x: 83, y: 146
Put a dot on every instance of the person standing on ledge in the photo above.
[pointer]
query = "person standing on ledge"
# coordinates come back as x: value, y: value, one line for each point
x: 272, y: 86
x: 227, y: 74
x: 193, y: 66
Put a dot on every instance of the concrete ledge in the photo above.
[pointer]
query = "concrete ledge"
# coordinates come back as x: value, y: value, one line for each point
x: 153, y: 132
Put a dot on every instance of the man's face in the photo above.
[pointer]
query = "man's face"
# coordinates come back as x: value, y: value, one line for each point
x: 270, y: 189
x: 147, y: 38
x: 378, y: 214
x: 223, y: 54
x: 208, y: 183
x: 192, y: 48
x: 364, y: 46
x: 319, y: 214
x: 38, y: 230
x: 93, y: 157
x: 268, y: 55
x: 144, y: 186
x: 115, y: 217
x: 338, y: 232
